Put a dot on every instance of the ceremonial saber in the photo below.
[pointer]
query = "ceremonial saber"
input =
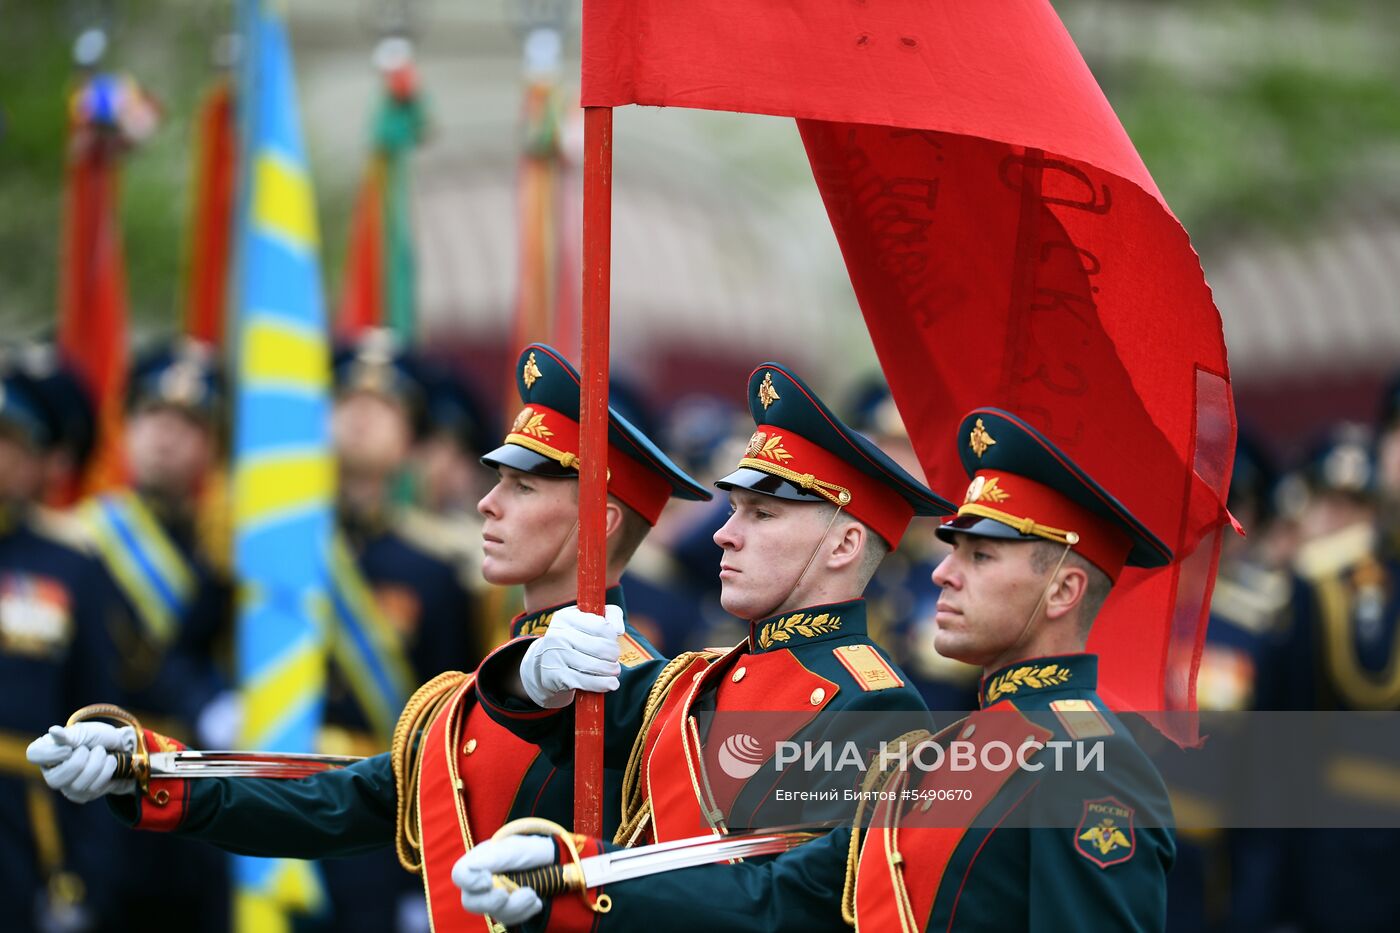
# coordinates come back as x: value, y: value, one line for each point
x: 202, y: 764
x: 626, y: 864
x: 143, y: 764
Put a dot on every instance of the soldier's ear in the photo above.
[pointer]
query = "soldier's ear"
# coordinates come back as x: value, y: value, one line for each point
x: 1066, y: 591
x: 847, y: 547
x: 612, y: 518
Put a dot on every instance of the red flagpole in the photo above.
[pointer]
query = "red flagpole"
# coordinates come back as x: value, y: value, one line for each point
x: 593, y: 474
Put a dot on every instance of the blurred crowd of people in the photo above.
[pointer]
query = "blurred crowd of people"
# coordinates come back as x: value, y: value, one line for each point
x: 129, y: 597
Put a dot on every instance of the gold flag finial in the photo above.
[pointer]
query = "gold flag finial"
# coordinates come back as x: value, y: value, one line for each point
x: 980, y: 440
x: 766, y: 393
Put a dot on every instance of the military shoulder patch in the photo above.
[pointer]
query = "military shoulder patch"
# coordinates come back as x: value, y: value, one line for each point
x: 865, y: 665
x: 632, y: 651
x: 1081, y: 718
x: 1105, y: 833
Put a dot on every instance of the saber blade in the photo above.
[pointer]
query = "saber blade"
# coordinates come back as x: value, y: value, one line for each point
x: 202, y: 764
x: 642, y: 861
x: 637, y: 863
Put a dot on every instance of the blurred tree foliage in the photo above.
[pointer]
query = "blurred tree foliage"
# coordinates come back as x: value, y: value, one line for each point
x: 164, y: 44
x: 1251, y: 115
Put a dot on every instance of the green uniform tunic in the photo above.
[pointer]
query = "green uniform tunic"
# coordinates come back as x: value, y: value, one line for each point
x: 1037, y: 855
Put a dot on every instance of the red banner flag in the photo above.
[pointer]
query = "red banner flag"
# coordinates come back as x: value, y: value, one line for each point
x: 362, y: 302
x: 1007, y: 247
x: 108, y: 114
x: 547, y: 296
x: 212, y: 226
x: 380, y: 287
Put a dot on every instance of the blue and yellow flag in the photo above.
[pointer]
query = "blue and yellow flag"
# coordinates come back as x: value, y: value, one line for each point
x: 283, y: 473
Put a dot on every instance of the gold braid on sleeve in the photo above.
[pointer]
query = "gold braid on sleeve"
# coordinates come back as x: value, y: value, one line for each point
x: 406, y: 753
x: 636, y: 806
x: 875, y: 780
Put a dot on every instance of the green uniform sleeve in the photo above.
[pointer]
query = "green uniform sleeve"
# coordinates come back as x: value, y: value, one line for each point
x: 337, y: 813
x: 1068, y: 891
x: 1108, y: 870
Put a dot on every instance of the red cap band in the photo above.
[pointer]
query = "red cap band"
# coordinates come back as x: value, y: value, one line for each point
x: 1036, y: 509
x: 782, y: 453
x: 556, y: 436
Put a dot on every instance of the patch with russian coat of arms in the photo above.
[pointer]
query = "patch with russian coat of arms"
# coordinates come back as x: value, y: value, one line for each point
x: 1105, y: 833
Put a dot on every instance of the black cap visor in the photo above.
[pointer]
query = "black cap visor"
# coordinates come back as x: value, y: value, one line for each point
x: 527, y: 461
x: 767, y: 484
x: 981, y: 527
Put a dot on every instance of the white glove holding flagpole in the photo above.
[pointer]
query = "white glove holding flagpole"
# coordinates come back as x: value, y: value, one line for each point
x: 579, y: 651
x: 481, y: 895
x: 77, y: 760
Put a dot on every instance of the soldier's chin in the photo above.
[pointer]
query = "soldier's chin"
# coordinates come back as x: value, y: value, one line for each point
x: 953, y: 647
x: 742, y: 604
x: 500, y: 573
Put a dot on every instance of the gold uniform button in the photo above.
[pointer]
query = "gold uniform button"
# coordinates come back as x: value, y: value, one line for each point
x: 469, y: 747
x: 817, y: 696
x: 162, y: 797
x: 739, y: 674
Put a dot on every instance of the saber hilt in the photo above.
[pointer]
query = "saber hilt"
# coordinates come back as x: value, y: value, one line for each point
x: 549, y: 881
x: 135, y: 765
x: 126, y: 766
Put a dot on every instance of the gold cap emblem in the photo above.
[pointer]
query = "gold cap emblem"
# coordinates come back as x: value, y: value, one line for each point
x: 980, y: 440
x: 983, y: 488
x: 531, y: 422
x: 755, y: 444
x: 766, y: 393
x: 774, y: 450
x: 531, y: 372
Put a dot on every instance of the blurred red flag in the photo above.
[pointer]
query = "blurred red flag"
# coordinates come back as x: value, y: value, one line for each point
x: 212, y: 221
x: 108, y: 114
x: 1007, y: 247
x: 362, y: 303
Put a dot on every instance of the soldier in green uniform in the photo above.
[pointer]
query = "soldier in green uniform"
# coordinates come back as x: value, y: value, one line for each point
x: 405, y: 798
x: 1037, y: 545
x: 815, y: 508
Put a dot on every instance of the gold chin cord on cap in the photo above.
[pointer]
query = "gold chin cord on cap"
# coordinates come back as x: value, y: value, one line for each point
x: 1026, y: 526
x: 136, y: 765
x: 838, y: 496
x: 1070, y: 540
x: 551, y: 880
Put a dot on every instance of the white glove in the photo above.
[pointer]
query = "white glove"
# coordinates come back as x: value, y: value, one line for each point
x: 578, y: 651
x: 220, y: 721
x: 473, y: 871
x: 77, y: 761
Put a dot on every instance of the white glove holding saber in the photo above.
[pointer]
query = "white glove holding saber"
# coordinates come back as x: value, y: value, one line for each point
x: 77, y: 760
x: 578, y: 651
x: 473, y: 875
